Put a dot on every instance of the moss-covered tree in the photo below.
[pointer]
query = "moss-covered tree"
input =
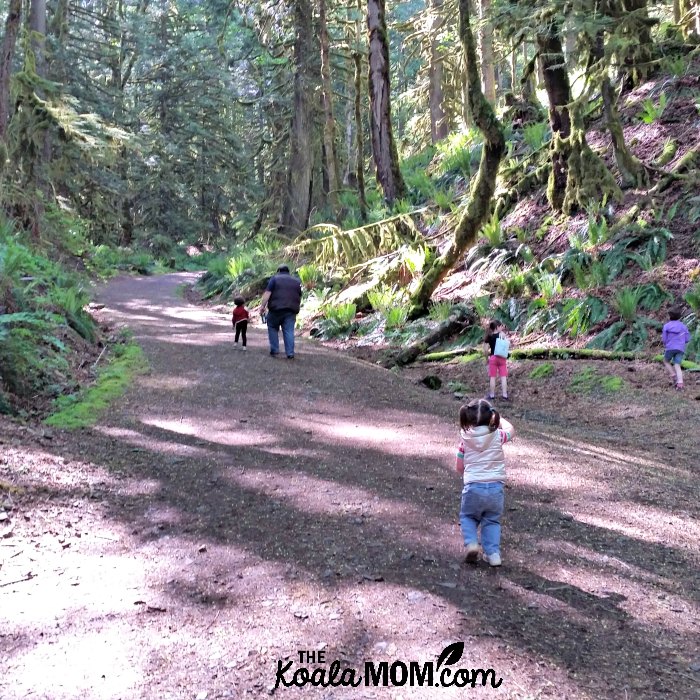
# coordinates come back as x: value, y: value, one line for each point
x: 483, y: 189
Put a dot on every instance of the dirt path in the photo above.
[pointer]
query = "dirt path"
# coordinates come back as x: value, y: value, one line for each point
x: 234, y: 509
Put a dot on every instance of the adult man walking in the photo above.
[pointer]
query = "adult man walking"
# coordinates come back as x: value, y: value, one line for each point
x: 282, y: 299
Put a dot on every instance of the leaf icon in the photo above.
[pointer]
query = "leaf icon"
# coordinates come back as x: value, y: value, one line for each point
x: 451, y: 654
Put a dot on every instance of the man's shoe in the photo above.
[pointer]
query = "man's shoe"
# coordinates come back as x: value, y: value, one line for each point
x: 493, y: 559
x: 273, y: 354
x: 472, y: 553
x: 290, y: 357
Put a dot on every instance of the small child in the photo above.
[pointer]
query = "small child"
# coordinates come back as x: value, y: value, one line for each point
x: 481, y: 462
x: 240, y: 320
x: 497, y: 365
x: 676, y: 336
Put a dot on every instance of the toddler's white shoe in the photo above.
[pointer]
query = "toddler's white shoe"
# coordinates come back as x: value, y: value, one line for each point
x: 472, y: 553
x: 493, y: 559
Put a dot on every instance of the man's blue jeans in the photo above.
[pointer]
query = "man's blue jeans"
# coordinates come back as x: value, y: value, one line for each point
x: 287, y: 320
x: 482, y: 504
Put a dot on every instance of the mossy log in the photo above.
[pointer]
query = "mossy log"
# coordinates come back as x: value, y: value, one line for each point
x: 456, y: 323
x: 667, y: 154
x: 543, y: 354
x: 687, y: 163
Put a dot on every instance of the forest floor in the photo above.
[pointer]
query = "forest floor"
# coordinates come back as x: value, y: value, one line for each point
x: 234, y: 510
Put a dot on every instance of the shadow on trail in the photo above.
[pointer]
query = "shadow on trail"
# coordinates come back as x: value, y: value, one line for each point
x: 238, y: 451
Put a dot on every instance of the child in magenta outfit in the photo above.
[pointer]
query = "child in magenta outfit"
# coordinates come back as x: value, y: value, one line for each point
x: 481, y: 462
x: 497, y: 365
x: 676, y: 336
x: 240, y: 320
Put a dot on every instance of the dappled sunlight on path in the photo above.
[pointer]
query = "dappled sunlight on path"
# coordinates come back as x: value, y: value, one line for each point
x: 242, y: 508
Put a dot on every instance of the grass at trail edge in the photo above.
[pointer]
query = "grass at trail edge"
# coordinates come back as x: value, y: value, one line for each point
x: 83, y: 409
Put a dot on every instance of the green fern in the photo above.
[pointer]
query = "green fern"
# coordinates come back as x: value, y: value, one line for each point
x: 382, y: 298
x: 536, y: 135
x: 492, y: 232
x: 440, y: 310
x: 651, y: 112
x: 396, y: 317
x: 626, y: 303
x: 692, y: 298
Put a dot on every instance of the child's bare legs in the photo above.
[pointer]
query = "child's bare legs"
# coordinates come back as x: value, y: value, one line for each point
x: 672, y: 363
x: 504, y: 386
x: 679, y: 375
x: 670, y: 370
x: 492, y: 387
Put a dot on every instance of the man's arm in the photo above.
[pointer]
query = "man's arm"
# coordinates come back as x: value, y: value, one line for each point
x: 263, y: 303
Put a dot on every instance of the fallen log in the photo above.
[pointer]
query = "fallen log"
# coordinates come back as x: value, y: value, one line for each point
x: 462, y: 319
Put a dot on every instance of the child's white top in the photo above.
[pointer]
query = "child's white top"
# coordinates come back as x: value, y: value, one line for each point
x: 482, y: 452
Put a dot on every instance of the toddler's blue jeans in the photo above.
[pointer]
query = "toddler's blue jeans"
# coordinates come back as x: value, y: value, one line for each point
x: 482, y: 504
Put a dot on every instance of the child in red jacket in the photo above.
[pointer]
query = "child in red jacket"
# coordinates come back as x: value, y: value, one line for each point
x: 240, y: 320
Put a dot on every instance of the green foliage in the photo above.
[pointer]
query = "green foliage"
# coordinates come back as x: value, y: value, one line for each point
x: 71, y: 303
x: 546, y: 369
x: 492, y: 232
x: 482, y: 306
x: 337, y: 320
x: 331, y: 248
x: 440, y: 310
x: 626, y: 302
x: 396, y: 317
x: 612, y: 383
x: 310, y: 275
x: 444, y: 199
x: 420, y: 186
x: 652, y: 112
x: 676, y: 65
x: 513, y: 281
x: 382, y: 298
x: 227, y: 275
x: 536, y: 135
x: 597, y: 230
x: 588, y: 381
x: 39, y: 301
x: 459, y: 153
x: 82, y: 410
x: 577, y: 316
x: 692, y: 298
x: 548, y: 285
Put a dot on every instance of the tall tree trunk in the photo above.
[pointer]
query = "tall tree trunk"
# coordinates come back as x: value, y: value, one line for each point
x: 296, y: 207
x: 329, y: 141
x: 386, y: 158
x: 439, y: 128
x: 482, y: 192
x: 37, y: 25
x: 360, y: 141
x: 488, y: 68
x: 9, y: 42
x: 556, y: 83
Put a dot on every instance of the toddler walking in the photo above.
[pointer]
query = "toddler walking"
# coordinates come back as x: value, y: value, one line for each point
x: 676, y: 336
x: 240, y: 320
x: 481, y: 462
